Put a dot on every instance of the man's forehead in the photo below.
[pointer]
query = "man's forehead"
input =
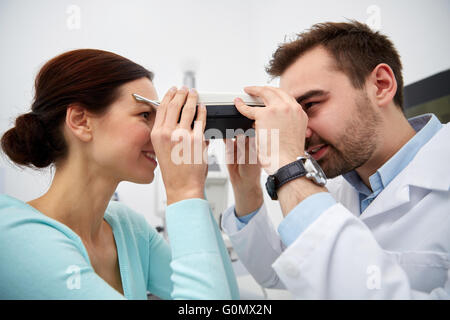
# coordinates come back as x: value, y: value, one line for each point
x: 315, y: 69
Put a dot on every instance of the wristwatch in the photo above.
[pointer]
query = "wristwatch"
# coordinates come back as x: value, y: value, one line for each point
x: 303, y: 166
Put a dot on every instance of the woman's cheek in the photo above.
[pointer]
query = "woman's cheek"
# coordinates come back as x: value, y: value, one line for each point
x: 142, y: 133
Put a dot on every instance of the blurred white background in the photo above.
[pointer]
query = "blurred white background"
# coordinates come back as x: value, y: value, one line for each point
x: 227, y: 44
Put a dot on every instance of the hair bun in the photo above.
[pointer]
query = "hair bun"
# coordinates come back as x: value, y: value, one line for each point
x: 27, y: 144
x: 88, y: 77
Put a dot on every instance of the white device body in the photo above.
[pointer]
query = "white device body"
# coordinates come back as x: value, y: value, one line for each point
x: 227, y: 98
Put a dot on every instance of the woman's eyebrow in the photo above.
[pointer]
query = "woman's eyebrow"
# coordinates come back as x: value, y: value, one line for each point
x: 139, y: 98
x: 143, y: 106
x: 310, y: 94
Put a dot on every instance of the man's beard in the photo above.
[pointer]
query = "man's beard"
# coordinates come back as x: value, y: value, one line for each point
x: 356, y: 145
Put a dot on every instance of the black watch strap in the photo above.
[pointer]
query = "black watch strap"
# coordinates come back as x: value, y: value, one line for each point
x: 285, y: 174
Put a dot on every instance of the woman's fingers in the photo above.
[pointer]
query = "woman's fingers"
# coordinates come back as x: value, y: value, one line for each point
x: 200, y: 121
x: 188, y: 113
x: 174, y: 107
x: 162, y: 108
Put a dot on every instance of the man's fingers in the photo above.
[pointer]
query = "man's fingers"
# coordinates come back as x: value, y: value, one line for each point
x: 230, y: 151
x: 254, y: 90
x: 269, y: 95
x: 244, y: 109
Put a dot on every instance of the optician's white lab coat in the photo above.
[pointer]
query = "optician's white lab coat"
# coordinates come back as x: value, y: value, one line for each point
x: 399, y: 248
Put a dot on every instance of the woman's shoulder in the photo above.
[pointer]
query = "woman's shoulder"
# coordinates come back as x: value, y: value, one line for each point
x: 15, y: 211
x: 41, y: 256
x: 119, y: 215
x: 8, y: 203
x: 29, y: 239
x: 17, y: 218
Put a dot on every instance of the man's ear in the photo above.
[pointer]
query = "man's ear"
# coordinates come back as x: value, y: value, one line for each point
x: 79, y: 122
x: 384, y: 84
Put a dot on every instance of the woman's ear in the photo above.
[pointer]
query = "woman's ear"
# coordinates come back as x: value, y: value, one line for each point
x: 79, y: 122
x: 384, y: 83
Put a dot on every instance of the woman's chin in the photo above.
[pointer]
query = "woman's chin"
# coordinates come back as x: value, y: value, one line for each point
x: 148, y: 178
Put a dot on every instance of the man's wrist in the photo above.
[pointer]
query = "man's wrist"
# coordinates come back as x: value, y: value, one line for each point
x: 303, y: 215
x: 248, y: 200
x: 286, y: 159
x: 295, y: 191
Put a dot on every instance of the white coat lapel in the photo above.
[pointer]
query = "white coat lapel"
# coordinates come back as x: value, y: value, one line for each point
x: 435, y: 156
x: 344, y: 193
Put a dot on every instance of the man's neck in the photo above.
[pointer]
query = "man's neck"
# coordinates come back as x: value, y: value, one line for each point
x: 394, y: 134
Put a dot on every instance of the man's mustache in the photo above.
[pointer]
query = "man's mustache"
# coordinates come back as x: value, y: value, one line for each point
x: 314, y: 141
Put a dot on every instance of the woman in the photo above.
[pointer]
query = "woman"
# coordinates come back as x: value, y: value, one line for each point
x: 72, y: 242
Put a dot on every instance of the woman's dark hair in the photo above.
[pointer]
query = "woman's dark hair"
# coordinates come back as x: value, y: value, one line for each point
x: 88, y: 77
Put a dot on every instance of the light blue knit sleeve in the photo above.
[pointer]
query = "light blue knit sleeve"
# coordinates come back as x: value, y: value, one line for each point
x: 42, y: 259
x: 159, y: 271
x: 231, y: 277
x: 200, y: 265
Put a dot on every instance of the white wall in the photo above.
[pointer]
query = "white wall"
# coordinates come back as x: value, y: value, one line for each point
x: 228, y: 43
x: 419, y: 29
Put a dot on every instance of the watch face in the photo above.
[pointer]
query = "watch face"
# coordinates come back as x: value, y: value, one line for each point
x: 315, y: 172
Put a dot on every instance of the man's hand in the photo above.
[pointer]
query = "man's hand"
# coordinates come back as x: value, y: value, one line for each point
x: 283, y: 115
x: 245, y: 174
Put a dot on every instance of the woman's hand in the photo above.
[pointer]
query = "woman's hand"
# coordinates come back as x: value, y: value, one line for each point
x: 181, y: 151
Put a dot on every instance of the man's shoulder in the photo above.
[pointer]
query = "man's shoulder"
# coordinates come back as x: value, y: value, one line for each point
x: 435, y: 154
x: 444, y: 131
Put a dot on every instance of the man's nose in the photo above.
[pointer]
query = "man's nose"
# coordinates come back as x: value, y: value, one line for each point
x: 308, y: 133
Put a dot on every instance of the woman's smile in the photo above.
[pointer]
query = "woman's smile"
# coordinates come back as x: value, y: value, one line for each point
x: 150, y: 155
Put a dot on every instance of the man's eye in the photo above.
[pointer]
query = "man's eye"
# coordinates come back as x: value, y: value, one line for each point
x: 310, y: 104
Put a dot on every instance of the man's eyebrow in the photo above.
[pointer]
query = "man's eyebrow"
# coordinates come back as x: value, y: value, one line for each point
x: 310, y: 94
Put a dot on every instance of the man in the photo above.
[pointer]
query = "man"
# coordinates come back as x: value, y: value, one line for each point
x: 382, y: 228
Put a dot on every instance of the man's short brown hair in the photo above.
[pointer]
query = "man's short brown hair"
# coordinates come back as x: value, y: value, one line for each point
x: 356, y: 49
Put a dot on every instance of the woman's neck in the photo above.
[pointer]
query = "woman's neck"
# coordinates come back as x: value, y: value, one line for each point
x: 78, y: 198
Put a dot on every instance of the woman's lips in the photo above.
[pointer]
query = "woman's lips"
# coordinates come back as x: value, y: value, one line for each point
x: 151, y: 157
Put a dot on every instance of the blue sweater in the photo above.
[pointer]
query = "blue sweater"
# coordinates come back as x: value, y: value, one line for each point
x: 41, y: 258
